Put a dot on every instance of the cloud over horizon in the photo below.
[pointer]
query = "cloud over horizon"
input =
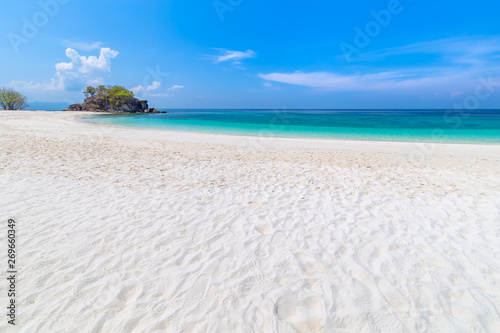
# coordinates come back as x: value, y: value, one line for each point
x: 465, y: 63
x: 76, y: 74
x: 140, y: 89
x: 150, y: 90
x: 175, y: 87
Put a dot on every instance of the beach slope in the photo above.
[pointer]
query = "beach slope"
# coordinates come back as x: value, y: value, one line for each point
x: 128, y: 230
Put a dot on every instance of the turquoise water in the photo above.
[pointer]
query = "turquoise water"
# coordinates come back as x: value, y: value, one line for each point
x: 476, y: 126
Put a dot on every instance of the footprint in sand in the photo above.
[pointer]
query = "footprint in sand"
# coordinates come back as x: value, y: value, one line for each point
x: 265, y: 229
x: 368, y: 257
x: 199, y: 288
x: 305, y: 315
x: 309, y: 264
x: 112, y: 288
x: 393, y: 296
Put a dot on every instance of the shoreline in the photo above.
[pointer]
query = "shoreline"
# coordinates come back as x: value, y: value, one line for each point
x: 302, y: 143
x: 310, y: 141
x: 283, y: 136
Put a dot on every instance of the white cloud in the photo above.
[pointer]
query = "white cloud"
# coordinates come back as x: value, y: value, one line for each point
x: 150, y: 90
x: 175, y: 87
x: 83, y: 70
x: 233, y: 56
x: 85, y: 46
x: 161, y: 95
x: 140, y: 89
x: 78, y: 45
x: 458, y: 65
x: 384, y: 81
x: 329, y: 81
x: 76, y: 74
x: 464, y: 50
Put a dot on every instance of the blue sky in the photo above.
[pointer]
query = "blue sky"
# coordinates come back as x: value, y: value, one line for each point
x: 257, y: 54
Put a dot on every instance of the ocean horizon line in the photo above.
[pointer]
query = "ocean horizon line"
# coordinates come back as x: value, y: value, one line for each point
x: 311, y: 109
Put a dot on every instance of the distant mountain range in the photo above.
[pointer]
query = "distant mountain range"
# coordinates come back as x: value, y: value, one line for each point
x: 48, y: 106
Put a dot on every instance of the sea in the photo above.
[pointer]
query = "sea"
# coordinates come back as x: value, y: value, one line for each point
x: 438, y: 126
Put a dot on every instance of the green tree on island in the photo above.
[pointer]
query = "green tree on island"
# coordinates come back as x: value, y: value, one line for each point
x: 119, y: 95
x: 102, y: 90
x: 90, y: 91
x: 108, y: 91
x: 109, y: 97
x: 12, y: 100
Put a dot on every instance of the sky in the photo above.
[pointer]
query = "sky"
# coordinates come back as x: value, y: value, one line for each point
x: 257, y: 54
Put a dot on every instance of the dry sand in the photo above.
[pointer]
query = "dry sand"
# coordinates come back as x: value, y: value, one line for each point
x: 128, y: 230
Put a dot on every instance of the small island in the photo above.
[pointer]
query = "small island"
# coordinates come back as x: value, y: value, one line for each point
x: 112, y: 99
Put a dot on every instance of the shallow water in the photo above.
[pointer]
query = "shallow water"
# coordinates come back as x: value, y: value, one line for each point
x: 457, y: 126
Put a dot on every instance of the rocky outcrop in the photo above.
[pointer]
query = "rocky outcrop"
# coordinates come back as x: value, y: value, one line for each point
x: 100, y: 103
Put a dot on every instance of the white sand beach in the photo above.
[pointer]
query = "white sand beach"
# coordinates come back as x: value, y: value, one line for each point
x: 130, y: 230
